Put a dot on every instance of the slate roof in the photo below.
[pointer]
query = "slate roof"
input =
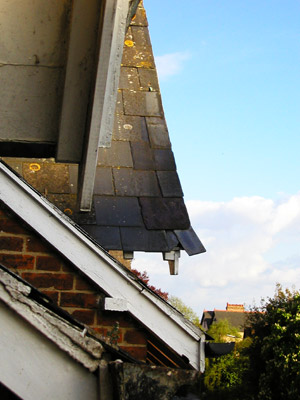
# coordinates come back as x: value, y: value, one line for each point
x: 138, y: 200
x: 237, y: 319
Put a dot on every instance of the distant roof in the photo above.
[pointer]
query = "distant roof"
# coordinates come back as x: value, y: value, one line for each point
x: 236, y: 316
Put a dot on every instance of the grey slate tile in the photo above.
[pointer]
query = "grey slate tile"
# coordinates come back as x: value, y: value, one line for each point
x: 169, y: 183
x: 107, y: 236
x: 130, y: 128
x: 118, y: 155
x: 142, y: 156
x: 129, y: 79
x: 73, y: 178
x: 158, y: 132
x: 190, y: 241
x: 117, y: 211
x: 137, y: 48
x: 119, y: 103
x: 164, y: 213
x: 148, y: 79
x: 47, y: 177
x: 140, y: 239
x: 164, y: 160
x: 142, y: 103
x: 86, y: 218
x: 103, y: 181
x: 129, y: 182
x: 172, y: 240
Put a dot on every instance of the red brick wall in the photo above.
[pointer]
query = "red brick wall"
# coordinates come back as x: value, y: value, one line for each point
x: 38, y: 263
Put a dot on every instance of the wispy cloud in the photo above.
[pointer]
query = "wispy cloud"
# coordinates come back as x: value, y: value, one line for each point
x: 251, y: 242
x: 170, y: 64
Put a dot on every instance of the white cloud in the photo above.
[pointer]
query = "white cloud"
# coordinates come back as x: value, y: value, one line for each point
x: 170, y: 64
x: 252, y: 243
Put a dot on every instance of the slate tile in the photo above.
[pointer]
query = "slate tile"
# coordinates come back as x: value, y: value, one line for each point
x: 73, y: 178
x: 137, y: 51
x: 129, y: 79
x: 164, y: 160
x: 129, y: 182
x: 65, y: 202
x: 142, y: 156
x: 47, y: 177
x: 164, y: 213
x: 148, y: 79
x: 118, y: 155
x: 142, y: 103
x: 86, y: 218
x: 190, y: 241
x: 140, y: 18
x: 172, y: 240
x: 107, y: 236
x: 117, y: 211
x: 169, y: 183
x: 140, y: 239
x: 158, y: 132
x: 103, y: 181
x: 119, y: 104
x: 130, y: 128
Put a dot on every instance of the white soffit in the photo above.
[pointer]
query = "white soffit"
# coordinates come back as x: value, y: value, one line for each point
x: 62, y: 233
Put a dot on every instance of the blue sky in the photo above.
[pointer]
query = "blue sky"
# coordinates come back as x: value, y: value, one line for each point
x: 229, y: 77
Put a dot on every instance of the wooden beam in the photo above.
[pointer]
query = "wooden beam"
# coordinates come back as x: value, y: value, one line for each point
x: 105, y: 94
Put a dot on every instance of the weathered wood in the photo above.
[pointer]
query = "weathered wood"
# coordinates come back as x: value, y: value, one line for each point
x: 105, y: 94
x: 152, y: 311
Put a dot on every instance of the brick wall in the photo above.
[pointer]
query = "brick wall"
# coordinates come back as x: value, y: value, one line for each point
x: 38, y: 263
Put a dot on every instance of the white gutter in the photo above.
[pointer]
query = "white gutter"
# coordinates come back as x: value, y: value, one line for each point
x: 153, y: 312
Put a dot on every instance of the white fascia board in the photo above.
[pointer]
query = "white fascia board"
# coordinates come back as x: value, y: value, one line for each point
x: 105, y: 93
x: 114, y: 279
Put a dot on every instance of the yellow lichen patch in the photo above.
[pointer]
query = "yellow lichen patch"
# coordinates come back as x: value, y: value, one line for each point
x: 34, y: 167
x: 145, y: 64
x: 68, y: 211
x: 129, y: 43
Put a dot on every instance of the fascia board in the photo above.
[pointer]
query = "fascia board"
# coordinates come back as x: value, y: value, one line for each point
x: 102, y: 112
x: 153, y: 312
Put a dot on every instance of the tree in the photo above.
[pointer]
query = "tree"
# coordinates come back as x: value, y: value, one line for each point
x: 222, y: 330
x: 145, y: 278
x: 187, y: 311
x: 275, y: 351
x: 224, y: 376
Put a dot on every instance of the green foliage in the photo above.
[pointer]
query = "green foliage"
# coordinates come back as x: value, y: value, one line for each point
x: 187, y: 311
x: 222, y: 330
x: 224, y: 376
x: 275, y: 352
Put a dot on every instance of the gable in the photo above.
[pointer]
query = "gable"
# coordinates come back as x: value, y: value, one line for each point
x: 153, y: 313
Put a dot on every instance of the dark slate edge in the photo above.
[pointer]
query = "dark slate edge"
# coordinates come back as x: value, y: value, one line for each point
x: 141, y: 239
x: 107, y: 236
x: 190, y: 241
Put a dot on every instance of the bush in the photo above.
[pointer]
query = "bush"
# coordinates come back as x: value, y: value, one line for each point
x: 274, y: 355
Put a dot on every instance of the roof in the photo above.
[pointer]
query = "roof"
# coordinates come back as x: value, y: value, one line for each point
x: 130, y: 179
x: 138, y: 200
x: 159, y: 317
x: 236, y: 318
